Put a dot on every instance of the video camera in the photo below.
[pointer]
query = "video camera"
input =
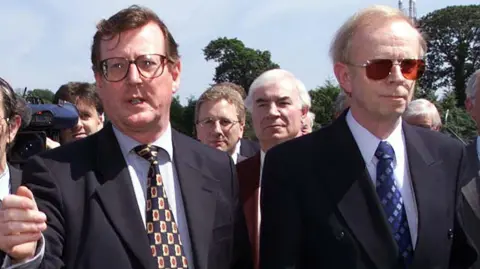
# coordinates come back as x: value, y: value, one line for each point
x: 46, y: 121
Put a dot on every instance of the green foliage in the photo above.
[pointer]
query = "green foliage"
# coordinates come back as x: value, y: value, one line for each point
x: 182, y: 117
x: 236, y: 63
x: 455, y: 120
x: 44, y: 94
x: 453, y: 39
x: 323, y: 102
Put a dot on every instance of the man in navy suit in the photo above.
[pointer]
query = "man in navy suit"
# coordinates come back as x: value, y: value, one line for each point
x: 369, y: 190
x: 137, y: 194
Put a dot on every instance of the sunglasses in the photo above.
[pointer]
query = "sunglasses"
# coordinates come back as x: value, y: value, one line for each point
x: 378, y: 69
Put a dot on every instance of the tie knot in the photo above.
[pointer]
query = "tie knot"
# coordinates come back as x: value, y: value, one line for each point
x: 148, y: 152
x: 385, y: 151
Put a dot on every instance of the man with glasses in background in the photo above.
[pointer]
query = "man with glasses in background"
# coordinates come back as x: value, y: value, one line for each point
x: 369, y: 190
x: 220, y: 119
x: 136, y: 194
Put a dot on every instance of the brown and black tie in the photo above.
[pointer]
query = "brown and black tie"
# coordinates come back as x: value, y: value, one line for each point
x: 162, y: 229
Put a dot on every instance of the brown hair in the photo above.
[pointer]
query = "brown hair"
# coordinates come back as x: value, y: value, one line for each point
x: 223, y: 91
x: 130, y: 18
x: 74, y: 91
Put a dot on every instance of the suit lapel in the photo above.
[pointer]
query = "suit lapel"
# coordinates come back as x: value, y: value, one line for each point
x: 249, y: 183
x: 15, y: 178
x: 117, y: 197
x: 426, y: 186
x: 358, y: 202
x: 471, y: 192
x: 198, y: 196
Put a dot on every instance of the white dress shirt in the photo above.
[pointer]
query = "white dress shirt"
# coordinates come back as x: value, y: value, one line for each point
x: 236, y: 152
x: 368, y: 143
x: 262, y: 160
x: 5, y: 183
x: 138, y: 169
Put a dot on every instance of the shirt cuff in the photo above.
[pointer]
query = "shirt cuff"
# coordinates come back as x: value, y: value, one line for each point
x: 32, y: 263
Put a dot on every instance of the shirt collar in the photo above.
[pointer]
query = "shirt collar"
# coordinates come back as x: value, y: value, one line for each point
x: 236, y: 152
x: 127, y: 143
x: 5, y: 186
x: 368, y: 143
x: 478, y: 147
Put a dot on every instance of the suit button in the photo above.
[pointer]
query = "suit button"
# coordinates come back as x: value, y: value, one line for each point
x: 450, y: 234
x: 340, y: 235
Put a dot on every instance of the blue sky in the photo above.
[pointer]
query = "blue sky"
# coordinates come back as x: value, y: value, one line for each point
x: 46, y: 43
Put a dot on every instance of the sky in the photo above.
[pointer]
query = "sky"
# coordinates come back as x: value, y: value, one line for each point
x: 44, y: 44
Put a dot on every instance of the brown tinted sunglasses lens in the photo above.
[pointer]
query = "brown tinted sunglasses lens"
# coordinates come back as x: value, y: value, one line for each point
x: 412, y: 69
x: 379, y: 69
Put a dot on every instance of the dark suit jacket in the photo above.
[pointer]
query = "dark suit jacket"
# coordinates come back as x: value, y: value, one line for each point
x: 473, y: 162
x: 320, y: 208
x: 94, y: 222
x: 248, y: 173
x: 248, y: 148
x: 15, y: 180
x: 470, y: 209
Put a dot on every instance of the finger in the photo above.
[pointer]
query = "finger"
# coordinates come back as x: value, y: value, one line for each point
x: 26, y: 192
x: 11, y: 241
x: 27, y: 215
x: 19, y: 227
x: 16, y: 201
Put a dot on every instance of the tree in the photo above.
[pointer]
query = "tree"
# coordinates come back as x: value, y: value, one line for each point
x: 44, y: 94
x: 236, y: 63
x: 456, y: 121
x: 453, y: 48
x: 323, y: 102
x: 176, y: 114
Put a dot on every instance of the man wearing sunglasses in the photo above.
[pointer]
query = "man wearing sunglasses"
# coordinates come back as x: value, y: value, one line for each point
x: 136, y: 194
x: 369, y: 190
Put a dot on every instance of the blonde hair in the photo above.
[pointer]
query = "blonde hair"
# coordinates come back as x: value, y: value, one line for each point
x: 223, y: 91
x: 378, y: 15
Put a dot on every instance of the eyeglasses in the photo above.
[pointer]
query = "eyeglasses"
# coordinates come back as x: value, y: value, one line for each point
x: 378, y: 69
x: 149, y: 66
x: 225, y: 123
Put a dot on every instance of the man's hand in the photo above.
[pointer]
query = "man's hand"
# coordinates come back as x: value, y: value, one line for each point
x: 21, y: 225
x: 51, y: 144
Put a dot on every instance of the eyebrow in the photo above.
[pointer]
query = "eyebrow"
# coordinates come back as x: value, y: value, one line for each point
x: 283, y: 98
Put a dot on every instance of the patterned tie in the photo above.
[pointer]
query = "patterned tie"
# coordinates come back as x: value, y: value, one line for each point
x: 392, y: 201
x: 162, y: 230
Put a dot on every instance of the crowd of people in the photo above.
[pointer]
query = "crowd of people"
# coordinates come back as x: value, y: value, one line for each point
x: 379, y: 187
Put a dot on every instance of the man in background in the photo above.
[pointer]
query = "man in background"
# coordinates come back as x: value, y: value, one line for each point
x: 220, y: 120
x: 422, y: 113
x: 90, y: 111
x: 278, y: 105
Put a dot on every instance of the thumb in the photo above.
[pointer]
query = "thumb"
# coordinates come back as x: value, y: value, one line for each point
x: 27, y: 193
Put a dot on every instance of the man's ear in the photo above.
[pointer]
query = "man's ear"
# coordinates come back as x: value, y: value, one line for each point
x: 342, y: 73
x: 175, y: 71
x: 13, y: 126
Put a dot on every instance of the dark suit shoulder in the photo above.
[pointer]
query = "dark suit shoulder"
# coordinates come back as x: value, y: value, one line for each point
x: 301, y: 146
x: 433, y: 137
x: 201, y: 152
x: 81, y: 149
